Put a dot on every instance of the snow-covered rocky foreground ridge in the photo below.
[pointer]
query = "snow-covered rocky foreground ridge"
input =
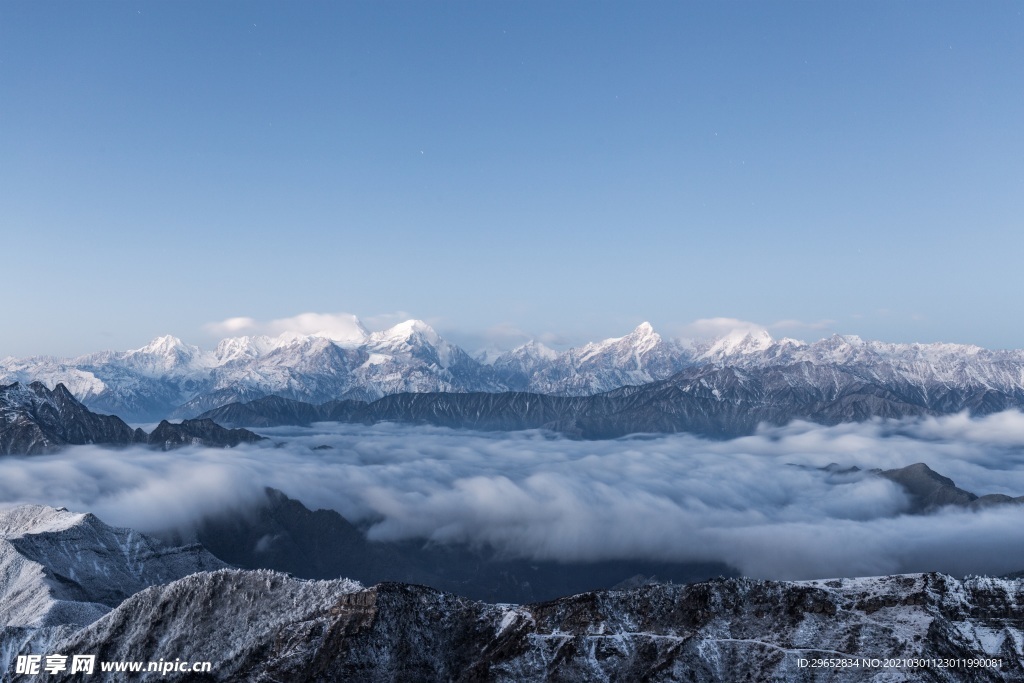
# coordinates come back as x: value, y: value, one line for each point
x: 168, y: 378
x: 62, y: 572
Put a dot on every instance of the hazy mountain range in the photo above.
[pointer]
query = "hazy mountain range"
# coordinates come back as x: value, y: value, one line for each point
x: 168, y: 378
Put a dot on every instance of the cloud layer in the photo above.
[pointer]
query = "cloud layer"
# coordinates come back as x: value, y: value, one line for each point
x: 760, y: 503
x: 340, y: 326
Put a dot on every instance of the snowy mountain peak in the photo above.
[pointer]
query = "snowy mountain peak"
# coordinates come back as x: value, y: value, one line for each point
x: 165, y: 355
x: 344, y: 330
x: 639, y: 341
x: 166, y: 345
x: 643, y: 338
x: 530, y: 354
x: 839, y: 341
x: 644, y: 329
x: 19, y: 396
x: 239, y: 348
x: 408, y: 330
x: 740, y: 342
x: 536, y: 349
x: 36, y: 519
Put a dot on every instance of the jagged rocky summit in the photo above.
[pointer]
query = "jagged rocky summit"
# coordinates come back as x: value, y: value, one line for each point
x: 840, y: 378
x: 34, y: 420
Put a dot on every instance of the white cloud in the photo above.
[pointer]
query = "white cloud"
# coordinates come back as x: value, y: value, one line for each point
x: 234, y: 325
x: 340, y: 326
x: 382, y: 321
x: 761, y: 503
x: 707, y: 329
x: 714, y: 328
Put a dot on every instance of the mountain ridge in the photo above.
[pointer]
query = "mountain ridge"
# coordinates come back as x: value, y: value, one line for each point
x: 716, y: 631
x: 711, y: 401
x: 170, y: 379
x: 35, y: 420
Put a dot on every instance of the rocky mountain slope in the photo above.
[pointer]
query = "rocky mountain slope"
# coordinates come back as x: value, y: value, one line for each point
x: 60, y: 569
x: 262, y: 626
x: 58, y: 562
x: 710, y: 400
x: 168, y: 378
x: 35, y: 420
x: 71, y: 584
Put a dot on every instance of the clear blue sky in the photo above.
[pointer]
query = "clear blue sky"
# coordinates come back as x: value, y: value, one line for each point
x: 561, y: 167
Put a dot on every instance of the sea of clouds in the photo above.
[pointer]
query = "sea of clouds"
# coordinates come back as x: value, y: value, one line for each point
x: 763, y: 504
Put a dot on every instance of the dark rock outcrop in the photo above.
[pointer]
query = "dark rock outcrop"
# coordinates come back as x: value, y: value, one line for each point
x: 927, y: 488
x: 36, y: 420
x: 198, y: 433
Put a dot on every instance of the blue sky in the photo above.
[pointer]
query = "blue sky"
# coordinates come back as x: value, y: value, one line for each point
x: 566, y: 168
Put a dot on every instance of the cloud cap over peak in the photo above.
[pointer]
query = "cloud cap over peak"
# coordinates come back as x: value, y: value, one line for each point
x: 342, y: 327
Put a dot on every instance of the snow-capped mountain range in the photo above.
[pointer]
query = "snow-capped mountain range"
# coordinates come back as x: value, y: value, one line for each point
x: 168, y: 378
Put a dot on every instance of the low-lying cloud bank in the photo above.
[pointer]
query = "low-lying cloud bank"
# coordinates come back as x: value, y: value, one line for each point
x: 759, y: 503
